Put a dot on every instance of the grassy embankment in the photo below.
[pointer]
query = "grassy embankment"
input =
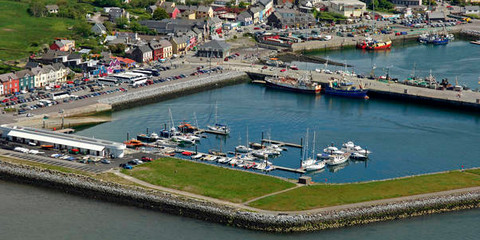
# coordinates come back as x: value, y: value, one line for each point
x: 21, y: 34
x: 324, y: 195
x: 221, y: 183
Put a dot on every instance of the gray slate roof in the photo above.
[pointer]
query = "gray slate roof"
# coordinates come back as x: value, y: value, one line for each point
x: 215, y: 45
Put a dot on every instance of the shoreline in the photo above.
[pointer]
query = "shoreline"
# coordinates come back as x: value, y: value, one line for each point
x: 269, y: 221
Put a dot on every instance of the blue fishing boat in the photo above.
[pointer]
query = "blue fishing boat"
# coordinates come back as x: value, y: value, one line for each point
x: 346, y: 89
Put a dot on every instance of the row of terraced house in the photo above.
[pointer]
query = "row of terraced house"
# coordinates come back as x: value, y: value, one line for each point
x: 30, y: 78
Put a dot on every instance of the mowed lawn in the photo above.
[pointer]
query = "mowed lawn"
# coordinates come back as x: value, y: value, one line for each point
x: 324, y: 195
x: 19, y: 31
x: 227, y: 184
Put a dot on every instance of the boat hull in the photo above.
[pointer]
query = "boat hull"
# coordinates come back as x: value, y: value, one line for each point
x: 359, y: 93
x: 292, y: 89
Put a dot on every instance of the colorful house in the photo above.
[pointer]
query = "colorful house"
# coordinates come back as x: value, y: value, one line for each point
x: 26, y: 79
x: 172, y: 12
x: 125, y: 62
x: 165, y: 49
x: 113, y: 66
x: 63, y: 45
x: 10, y: 83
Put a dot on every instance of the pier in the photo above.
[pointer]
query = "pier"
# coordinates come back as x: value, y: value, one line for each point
x: 287, y: 169
x: 282, y: 144
x: 459, y: 100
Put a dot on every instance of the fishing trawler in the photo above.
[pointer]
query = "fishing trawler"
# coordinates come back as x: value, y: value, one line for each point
x: 301, y: 85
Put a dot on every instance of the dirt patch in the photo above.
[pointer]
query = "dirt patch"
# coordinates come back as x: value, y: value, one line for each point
x: 7, y: 29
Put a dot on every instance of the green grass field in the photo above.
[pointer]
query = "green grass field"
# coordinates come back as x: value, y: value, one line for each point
x: 322, y: 195
x: 21, y: 33
x: 221, y: 183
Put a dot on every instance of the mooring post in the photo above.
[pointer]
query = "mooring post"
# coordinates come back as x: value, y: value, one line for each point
x: 128, y: 136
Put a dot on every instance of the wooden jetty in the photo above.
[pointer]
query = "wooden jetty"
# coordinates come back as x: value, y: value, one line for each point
x: 294, y: 170
x: 282, y: 144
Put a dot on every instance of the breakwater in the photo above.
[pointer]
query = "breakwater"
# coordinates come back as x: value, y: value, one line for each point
x: 172, y: 90
x: 265, y: 221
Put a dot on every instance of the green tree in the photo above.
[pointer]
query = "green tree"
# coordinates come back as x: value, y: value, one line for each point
x: 122, y: 23
x: 82, y: 29
x: 242, y: 5
x: 37, y: 8
x: 160, y: 14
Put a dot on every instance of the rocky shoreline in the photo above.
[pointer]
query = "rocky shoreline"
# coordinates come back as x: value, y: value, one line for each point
x: 263, y: 221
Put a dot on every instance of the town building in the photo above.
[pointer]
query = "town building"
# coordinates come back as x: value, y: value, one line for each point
x: 173, y: 12
x: 179, y: 44
x: 407, y: 2
x: 290, y: 18
x: 115, y: 13
x: 204, y: 12
x: 52, y: 9
x: 10, y: 83
x: 84, y: 145
x: 63, y: 45
x: 142, y: 54
x: 99, y: 29
x: 471, y: 10
x: 347, y: 8
x: 26, y: 79
x: 214, y: 48
x: 245, y: 18
x: 48, y: 75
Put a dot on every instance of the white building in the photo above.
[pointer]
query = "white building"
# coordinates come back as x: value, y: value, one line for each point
x: 90, y: 146
x: 50, y: 74
x: 347, y: 8
x: 1, y: 90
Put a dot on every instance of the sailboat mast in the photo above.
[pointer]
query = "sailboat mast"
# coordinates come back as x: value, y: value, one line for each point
x: 313, y: 147
x: 247, y: 137
x: 195, y: 117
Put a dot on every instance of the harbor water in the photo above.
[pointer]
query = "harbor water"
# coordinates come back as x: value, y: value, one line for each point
x: 405, y: 139
x: 36, y: 213
x: 458, y: 59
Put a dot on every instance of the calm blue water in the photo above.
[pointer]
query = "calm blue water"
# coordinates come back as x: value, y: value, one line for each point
x: 405, y: 139
x: 457, y: 59
x: 37, y: 213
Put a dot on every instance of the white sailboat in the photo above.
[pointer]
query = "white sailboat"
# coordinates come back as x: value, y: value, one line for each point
x: 243, y: 148
x: 317, y: 165
x: 217, y: 126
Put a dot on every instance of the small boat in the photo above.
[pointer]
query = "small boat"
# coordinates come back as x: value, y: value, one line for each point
x: 370, y: 44
x: 197, y: 156
x: 317, y: 166
x: 223, y: 160
x: 346, y: 89
x: 332, y: 150
x: 243, y: 149
x: 338, y: 159
x: 323, y: 156
x: 187, y: 153
x: 308, y: 162
x: 185, y: 127
x: 477, y: 42
x: 358, y: 156
x: 352, y: 148
x: 133, y: 143
x: 153, y: 137
x: 209, y: 158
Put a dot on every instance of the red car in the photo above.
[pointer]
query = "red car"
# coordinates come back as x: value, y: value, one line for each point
x: 5, y: 100
x: 283, y: 70
x: 264, y: 67
x: 238, y: 54
x: 147, y: 159
x: 226, y: 59
x: 256, y: 28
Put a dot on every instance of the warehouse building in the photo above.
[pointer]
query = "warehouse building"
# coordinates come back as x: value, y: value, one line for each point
x: 90, y: 146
